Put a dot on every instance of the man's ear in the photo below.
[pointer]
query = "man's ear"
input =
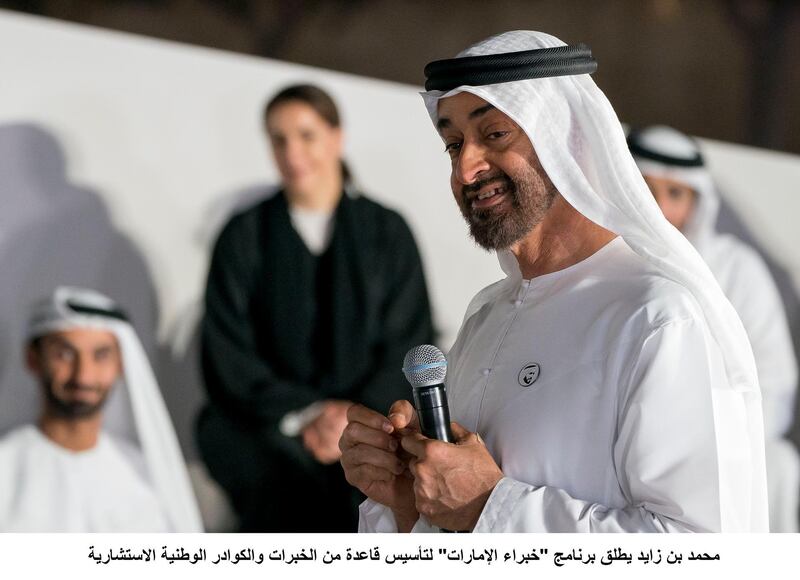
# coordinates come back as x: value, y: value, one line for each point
x: 33, y: 359
x: 120, y: 362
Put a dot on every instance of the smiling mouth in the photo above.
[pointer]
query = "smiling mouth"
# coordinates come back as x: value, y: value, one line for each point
x: 490, y: 197
x: 73, y: 388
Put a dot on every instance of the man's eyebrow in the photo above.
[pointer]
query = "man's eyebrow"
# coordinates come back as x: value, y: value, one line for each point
x: 444, y: 122
x: 57, y: 340
x: 481, y: 111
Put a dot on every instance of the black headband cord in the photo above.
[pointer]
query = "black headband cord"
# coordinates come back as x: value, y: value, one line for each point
x: 443, y: 75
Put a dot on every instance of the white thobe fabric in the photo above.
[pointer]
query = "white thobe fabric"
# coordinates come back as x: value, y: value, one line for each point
x: 616, y: 431
x: 695, y: 349
x: 135, y: 411
x: 747, y: 283
x: 47, y: 488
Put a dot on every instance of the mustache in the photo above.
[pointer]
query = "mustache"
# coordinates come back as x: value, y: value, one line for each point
x: 76, y: 386
x: 473, y: 188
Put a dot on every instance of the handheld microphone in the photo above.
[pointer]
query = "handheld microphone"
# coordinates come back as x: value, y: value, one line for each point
x: 425, y: 368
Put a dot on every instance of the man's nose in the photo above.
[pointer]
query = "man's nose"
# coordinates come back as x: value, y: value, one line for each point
x: 83, y: 371
x: 471, y: 163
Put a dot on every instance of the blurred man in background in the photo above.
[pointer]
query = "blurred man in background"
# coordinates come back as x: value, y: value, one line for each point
x: 674, y: 169
x: 101, y: 455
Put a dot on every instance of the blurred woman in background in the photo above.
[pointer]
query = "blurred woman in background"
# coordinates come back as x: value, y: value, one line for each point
x: 313, y: 298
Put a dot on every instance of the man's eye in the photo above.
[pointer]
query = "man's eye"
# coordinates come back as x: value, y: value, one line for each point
x: 675, y: 193
x: 496, y: 135
x: 452, y: 147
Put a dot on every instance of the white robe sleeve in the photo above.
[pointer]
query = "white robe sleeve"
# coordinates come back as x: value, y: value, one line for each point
x: 374, y: 517
x: 754, y: 295
x: 665, y: 453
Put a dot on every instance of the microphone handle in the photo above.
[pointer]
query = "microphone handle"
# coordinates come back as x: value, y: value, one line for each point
x: 434, y: 418
x: 433, y: 412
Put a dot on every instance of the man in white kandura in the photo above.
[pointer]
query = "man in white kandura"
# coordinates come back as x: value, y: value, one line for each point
x: 100, y: 453
x: 606, y: 384
x: 674, y: 169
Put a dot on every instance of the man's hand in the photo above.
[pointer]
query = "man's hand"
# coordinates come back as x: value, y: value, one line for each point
x: 371, y: 460
x: 321, y: 436
x: 451, y: 481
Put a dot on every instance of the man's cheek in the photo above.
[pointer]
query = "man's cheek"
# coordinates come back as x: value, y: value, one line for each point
x: 461, y: 202
x: 455, y: 187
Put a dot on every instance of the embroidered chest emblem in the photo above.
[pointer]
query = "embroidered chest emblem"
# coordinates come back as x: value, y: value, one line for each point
x: 529, y: 374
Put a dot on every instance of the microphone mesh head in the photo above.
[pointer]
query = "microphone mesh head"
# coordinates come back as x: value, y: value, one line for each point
x: 424, y: 366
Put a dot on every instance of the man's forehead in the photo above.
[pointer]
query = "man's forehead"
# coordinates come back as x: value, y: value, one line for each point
x: 463, y: 98
x: 462, y: 107
x: 671, y: 181
x: 83, y: 336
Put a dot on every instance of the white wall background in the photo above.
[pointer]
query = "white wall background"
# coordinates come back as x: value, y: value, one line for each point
x: 163, y: 132
x: 167, y: 136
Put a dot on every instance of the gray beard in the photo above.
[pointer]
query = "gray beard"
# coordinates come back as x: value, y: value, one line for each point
x: 497, y: 229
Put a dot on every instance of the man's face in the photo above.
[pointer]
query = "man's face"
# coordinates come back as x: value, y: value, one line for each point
x: 676, y: 199
x: 500, y: 187
x: 77, y: 369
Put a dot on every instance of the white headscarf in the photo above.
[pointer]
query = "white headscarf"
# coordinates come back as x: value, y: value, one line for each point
x: 582, y: 147
x: 135, y: 409
x: 700, y: 228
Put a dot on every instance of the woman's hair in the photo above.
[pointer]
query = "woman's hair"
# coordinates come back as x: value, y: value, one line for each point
x: 317, y: 99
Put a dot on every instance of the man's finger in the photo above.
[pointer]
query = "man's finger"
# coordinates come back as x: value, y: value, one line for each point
x: 360, y: 414
x: 357, y: 433
x: 459, y: 432
x: 403, y: 416
x: 415, y: 444
x: 367, y: 473
x: 412, y: 470
x: 368, y: 455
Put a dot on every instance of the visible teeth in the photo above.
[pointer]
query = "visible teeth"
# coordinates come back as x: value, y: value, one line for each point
x: 490, y: 193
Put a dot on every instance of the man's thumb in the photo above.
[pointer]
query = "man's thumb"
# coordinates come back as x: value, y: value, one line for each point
x: 402, y: 415
x: 461, y: 434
